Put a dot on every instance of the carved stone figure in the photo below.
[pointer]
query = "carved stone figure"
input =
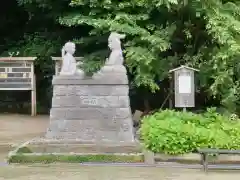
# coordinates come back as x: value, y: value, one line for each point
x: 113, y: 64
x: 114, y: 43
x: 69, y: 64
x: 91, y: 111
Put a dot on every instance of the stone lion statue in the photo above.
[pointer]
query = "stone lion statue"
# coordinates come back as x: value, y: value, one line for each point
x: 114, y: 43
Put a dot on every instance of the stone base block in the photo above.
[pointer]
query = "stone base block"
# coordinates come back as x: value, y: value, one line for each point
x: 77, y: 146
x: 47, y: 150
x: 75, y: 158
x: 91, y: 109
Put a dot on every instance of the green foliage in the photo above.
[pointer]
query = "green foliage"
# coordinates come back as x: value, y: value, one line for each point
x: 164, y: 34
x: 35, y: 45
x: 42, y: 46
x: 146, y: 40
x: 220, y: 70
x: 174, y: 132
x: 161, y: 35
x: 24, y: 150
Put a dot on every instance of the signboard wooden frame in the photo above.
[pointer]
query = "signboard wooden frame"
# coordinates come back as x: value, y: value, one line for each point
x: 17, y: 73
x: 184, y: 86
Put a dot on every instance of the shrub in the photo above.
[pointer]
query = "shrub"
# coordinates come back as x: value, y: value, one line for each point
x: 173, y: 132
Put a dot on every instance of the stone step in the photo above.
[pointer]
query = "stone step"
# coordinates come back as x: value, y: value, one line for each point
x: 68, y: 147
x: 90, y: 113
x: 117, y: 125
x: 90, y: 135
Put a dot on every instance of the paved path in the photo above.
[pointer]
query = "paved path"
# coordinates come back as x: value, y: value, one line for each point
x: 17, y: 129
x: 78, y: 172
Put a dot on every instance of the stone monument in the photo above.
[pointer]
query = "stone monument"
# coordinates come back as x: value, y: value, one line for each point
x: 90, y: 118
x: 92, y: 110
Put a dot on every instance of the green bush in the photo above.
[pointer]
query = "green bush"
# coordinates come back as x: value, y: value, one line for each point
x: 173, y: 132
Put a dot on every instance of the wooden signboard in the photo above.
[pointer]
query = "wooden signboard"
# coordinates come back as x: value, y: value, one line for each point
x: 184, y: 86
x: 17, y: 73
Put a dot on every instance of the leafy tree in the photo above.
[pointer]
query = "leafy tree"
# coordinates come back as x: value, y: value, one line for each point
x: 164, y: 34
x: 147, y: 39
x: 161, y: 34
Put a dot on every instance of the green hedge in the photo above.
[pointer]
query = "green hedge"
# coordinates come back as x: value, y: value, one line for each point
x: 173, y: 132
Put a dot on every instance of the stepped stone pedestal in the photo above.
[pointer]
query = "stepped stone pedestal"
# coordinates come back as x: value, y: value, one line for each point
x: 90, y: 114
x: 91, y: 110
x: 90, y: 118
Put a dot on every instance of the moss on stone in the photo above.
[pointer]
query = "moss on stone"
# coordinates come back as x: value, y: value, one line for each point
x: 24, y: 150
x: 50, y: 158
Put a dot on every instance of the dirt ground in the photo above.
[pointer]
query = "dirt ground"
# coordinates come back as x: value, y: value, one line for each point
x: 15, y: 129
x: 18, y: 128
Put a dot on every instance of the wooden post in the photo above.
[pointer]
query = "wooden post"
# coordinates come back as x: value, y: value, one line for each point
x: 205, y: 161
x: 33, y: 93
x: 57, y: 64
x: 171, y: 94
x: 149, y: 157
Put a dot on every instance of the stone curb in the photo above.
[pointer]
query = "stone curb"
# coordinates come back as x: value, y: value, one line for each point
x: 15, y: 153
x: 150, y: 157
x: 15, y: 157
x: 15, y: 150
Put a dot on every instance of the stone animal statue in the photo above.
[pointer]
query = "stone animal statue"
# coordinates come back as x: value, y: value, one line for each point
x: 114, y: 43
x: 69, y: 64
x: 113, y: 64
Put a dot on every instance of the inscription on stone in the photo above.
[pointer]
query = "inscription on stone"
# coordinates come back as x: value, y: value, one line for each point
x: 89, y: 101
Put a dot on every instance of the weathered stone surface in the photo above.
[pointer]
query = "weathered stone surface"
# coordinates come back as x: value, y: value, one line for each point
x: 86, y: 90
x: 91, y: 101
x: 96, y: 110
x: 113, y: 69
x: 107, y: 71
x: 82, y: 125
x: 90, y: 113
x: 79, y: 146
x: 114, y: 79
x: 91, y: 135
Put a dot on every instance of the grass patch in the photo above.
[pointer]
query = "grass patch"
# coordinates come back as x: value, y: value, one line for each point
x: 24, y: 150
x: 51, y: 158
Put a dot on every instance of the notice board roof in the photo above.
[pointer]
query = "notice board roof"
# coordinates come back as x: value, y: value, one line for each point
x: 183, y: 67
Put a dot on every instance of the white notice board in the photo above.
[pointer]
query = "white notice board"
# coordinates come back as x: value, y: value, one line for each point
x: 184, y: 84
